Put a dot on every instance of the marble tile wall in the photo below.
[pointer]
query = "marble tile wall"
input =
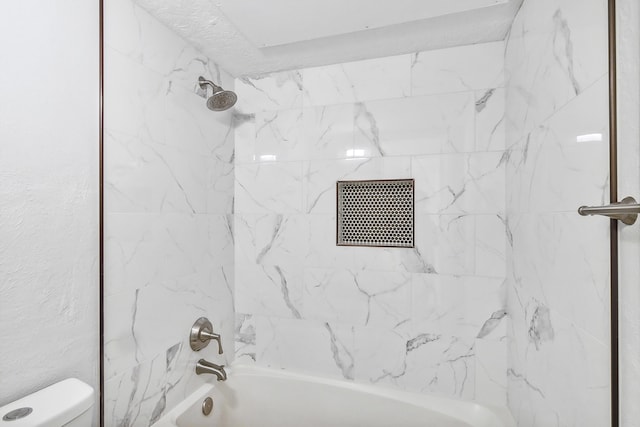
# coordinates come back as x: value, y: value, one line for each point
x: 168, y: 216
x: 429, y: 319
x: 557, y: 261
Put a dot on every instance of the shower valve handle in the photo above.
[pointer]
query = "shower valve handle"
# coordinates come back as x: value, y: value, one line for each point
x: 201, y: 333
x: 210, y: 336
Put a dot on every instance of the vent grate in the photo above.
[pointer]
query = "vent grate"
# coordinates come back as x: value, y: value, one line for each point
x: 375, y: 213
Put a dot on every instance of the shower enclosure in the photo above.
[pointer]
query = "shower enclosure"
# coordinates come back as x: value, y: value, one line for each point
x: 503, y: 297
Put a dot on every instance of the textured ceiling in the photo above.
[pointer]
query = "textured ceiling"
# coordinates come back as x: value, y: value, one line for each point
x: 204, y: 24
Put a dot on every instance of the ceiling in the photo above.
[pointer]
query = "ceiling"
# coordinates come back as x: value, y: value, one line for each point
x: 248, y: 37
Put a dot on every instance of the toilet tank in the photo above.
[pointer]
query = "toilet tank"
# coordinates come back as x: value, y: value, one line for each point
x: 68, y: 403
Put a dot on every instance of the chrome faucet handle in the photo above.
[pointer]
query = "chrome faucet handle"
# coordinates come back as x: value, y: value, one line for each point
x: 210, y: 336
x: 202, y: 333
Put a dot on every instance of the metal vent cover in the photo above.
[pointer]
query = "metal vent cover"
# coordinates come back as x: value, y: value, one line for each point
x: 375, y: 213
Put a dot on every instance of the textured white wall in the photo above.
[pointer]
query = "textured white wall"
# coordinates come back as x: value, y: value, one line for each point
x: 48, y: 194
x: 629, y: 185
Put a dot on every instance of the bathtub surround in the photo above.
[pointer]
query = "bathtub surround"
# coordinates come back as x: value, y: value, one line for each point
x: 168, y: 223
x: 49, y: 250
x: 429, y: 319
x: 557, y: 262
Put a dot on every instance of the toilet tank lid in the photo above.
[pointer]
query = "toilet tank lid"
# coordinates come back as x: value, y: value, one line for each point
x: 54, y: 405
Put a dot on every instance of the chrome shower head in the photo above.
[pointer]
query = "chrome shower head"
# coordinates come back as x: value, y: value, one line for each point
x: 221, y: 99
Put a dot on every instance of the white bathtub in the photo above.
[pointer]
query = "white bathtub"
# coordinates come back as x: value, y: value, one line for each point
x: 258, y: 397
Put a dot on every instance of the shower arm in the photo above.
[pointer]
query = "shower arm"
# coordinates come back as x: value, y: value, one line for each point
x: 204, y: 82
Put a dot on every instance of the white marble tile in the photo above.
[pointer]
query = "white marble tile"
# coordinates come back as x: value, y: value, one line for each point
x: 357, y: 123
x: 334, y: 295
x: 136, y: 333
x: 328, y: 132
x: 127, y: 39
x: 557, y: 364
x: 135, y: 101
x: 322, y: 251
x: 440, y: 182
x: 573, y: 252
x: 276, y: 91
x: 556, y: 50
x: 463, y: 306
x: 459, y: 183
x: 410, y: 260
x: 273, y: 187
x: 219, y: 186
x: 491, y: 372
x: 436, y: 363
x: 379, y: 354
x: 121, y: 350
x: 146, y: 391
x: 140, y: 36
x: 131, y: 397
x: 270, y: 239
x: 563, y: 163
x: 268, y: 290
x: 305, y: 345
x: 169, y: 162
x: 458, y: 69
x: 244, y: 134
x: 380, y: 78
x: 154, y: 248
x: 320, y: 178
x: 191, y: 127
x: 491, y: 246
x: 491, y: 129
x: 357, y: 297
x: 245, y: 339
x: 278, y: 136
x: 445, y: 243
x: 221, y: 240
x: 193, y: 278
x: 145, y: 176
x: 416, y: 125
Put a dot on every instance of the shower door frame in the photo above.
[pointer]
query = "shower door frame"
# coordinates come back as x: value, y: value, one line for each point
x: 613, y: 223
x: 101, y: 206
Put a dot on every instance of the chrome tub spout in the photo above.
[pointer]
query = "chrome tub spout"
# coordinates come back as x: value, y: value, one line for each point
x: 204, y: 367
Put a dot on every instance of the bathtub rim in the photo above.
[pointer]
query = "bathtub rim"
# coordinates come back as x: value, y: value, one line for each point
x: 467, y: 411
x: 473, y: 413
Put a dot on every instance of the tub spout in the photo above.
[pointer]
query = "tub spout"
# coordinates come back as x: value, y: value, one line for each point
x: 204, y: 367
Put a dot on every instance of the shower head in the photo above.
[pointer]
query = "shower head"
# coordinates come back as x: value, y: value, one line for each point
x: 221, y: 99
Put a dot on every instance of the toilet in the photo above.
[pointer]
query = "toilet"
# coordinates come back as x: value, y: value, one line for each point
x: 68, y: 403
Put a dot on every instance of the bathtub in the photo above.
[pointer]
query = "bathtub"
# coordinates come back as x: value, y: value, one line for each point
x: 259, y: 397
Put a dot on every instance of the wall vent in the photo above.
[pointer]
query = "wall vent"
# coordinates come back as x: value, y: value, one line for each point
x: 375, y: 213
